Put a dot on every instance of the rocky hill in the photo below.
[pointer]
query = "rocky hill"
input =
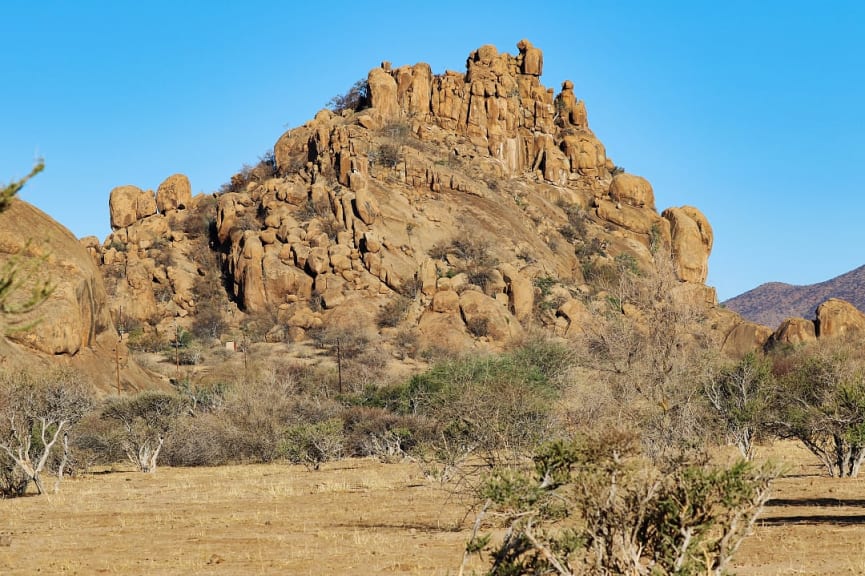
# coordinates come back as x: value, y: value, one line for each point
x: 772, y: 303
x: 435, y: 211
x: 423, y: 212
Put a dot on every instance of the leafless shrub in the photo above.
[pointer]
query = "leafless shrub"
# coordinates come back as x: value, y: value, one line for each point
x: 37, y: 410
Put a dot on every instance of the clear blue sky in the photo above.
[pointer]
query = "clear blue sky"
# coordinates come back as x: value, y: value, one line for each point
x: 753, y: 111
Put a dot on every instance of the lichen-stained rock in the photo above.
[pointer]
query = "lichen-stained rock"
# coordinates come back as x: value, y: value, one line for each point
x: 174, y: 193
x: 691, y: 242
x: 128, y: 204
x: 837, y: 318
x: 632, y: 190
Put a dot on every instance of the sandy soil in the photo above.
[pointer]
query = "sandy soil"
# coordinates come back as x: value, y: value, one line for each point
x: 352, y: 517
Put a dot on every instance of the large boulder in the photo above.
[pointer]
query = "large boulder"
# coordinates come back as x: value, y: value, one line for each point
x: 837, y: 318
x: 794, y: 331
x: 73, y: 325
x: 128, y: 204
x: 174, y: 193
x: 691, y: 242
x: 633, y: 190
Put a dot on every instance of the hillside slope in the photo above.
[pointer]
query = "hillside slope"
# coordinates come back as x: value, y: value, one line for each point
x: 770, y: 304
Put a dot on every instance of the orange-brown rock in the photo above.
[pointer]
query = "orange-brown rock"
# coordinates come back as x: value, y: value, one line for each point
x: 691, y: 242
x: 128, y: 204
x: 174, y: 193
x: 795, y: 331
x: 839, y: 318
x: 73, y: 325
x: 745, y: 337
x: 633, y: 190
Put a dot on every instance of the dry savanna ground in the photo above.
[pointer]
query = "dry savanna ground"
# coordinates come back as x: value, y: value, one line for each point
x: 352, y: 517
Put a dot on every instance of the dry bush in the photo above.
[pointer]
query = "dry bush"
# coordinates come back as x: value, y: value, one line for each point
x: 251, y: 421
x: 356, y: 98
x: 645, y: 345
x: 593, y: 506
x: 381, y: 433
x: 820, y: 401
x: 38, y: 409
x: 393, y: 312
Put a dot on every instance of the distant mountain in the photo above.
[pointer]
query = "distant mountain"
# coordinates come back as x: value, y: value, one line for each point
x: 771, y: 303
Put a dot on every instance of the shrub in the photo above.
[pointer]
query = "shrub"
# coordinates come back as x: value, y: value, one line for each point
x: 393, y: 312
x: 591, y: 506
x: 821, y: 402
x: 144, y: 421
x: 37, y: 410
x: 357, y: 98
x: 312, y: 444
x: 494, y: 406
x: 387, y: 155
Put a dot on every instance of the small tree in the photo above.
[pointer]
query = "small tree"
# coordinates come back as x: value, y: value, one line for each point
x: 738, y: 396
x: 145, y: 420
x: 36, y: 411
x: 355, y: 99
x: 821, y: 402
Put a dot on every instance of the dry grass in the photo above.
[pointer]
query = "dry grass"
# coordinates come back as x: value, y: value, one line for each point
x: 353, y: 517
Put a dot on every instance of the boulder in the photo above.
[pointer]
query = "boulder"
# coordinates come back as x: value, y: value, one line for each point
x: 73, y: 326
x: 128, y: 204
x: 174, y: 193
x: 745, y: 337
x: 794, y: 331
x: 521, y: 292
x: 484, y: 316
x: 838, y: 318
x: 383, y: 93
x: 632, y: 190
x: 691, y: 238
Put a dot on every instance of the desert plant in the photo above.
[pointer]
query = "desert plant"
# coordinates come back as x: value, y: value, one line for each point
x: 820, y: 401
x: 593, y: 506
x: 393, y: 312
x: 387, y: 155
x: 313, y: 443
x: 144, y: 420
x: 738, y: 395
x: 37, y: 409
x: 356, y: 98
x: 495, y: 407
x: 8, y: 192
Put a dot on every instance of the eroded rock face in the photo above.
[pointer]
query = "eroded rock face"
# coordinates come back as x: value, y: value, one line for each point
x: 691, y: 242
x: 74, y: 323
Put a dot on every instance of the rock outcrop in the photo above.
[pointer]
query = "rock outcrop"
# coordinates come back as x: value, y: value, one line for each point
x: 73, y: 326
x: 482, y: 195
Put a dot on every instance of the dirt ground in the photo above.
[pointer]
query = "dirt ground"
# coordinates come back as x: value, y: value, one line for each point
x: 352, y: 517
